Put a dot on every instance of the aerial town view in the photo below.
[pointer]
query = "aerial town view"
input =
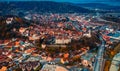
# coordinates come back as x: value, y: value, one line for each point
x: 59, y: 35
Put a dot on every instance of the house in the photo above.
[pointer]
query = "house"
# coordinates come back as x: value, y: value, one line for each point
x: 34, y: 37
x: 29, y: 51
x: 87, y: 34
x: 17, y: 43
x: 10, y: 56
x: 22, y: 30
x: 63, y: 60
x: 43, y: 46
x: 22, y: 48
x: 9, y: 20
x: 85, y: 63
x: 62, y: 40
x: 4, y: 68
x: 50, y: 67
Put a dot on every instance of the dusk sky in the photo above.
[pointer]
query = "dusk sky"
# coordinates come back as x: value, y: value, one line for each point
x: 112, y: 2
x: 69, y: 0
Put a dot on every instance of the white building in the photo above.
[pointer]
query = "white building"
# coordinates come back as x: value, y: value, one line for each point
x: 9, y: 20
x: 87, y: 34
x: 62, y: 40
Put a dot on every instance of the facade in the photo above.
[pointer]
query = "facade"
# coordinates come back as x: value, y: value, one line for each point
x: 62, y: 40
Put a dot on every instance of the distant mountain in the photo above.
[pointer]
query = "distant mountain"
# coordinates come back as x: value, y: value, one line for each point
x: 43, y: 6
x: 99, y: 6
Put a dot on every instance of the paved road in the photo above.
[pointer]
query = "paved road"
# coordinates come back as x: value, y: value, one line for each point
x: 99, y: 59
x: 99, y: 64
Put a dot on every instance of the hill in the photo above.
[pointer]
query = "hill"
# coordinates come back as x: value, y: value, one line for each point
x: 42, y: 6
x: 7, y: 30
x: 101, y: 6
